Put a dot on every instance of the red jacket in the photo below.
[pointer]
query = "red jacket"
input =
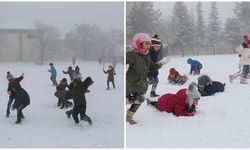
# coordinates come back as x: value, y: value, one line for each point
x: 111, y: 73
x: 174, y: 103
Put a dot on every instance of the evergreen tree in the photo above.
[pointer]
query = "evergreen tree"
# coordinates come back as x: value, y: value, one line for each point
x: 232, y: 32
x: 200, y: 27
x: 142, y: 18
x: 242, y: 12
x: 213, y: 26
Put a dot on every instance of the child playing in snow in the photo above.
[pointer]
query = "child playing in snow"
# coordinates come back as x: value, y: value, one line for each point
x: 183, y: 103
x: 77, y: 74
x: 70, y: 72
x: 111, y: 73
x: 175, y: 78
x: 208, y: 87
x: 53, y: 74
x: 61, y: 94
x: 10, y: 91
x: 138, y: 64
x: 195, y: 66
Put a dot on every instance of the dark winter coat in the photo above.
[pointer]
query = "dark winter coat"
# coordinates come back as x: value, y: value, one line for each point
x: 211, y: 89
x: 154, y: 57
x: 111, y: 73
x: 22, y: 97
x: 78, y: 91
x: 70, y: 72
x: 11, y: 82
x: 136, y: 76
x: 174, y: 103
x: 60, y: 90
x: 195, y: 65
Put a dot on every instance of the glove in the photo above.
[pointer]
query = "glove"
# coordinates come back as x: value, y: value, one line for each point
x: 164, y: 60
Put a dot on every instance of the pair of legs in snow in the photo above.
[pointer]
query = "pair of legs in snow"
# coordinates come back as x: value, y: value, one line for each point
x: 63, y: 97
x: 243, y: 74
x: 113, y: 83
x: 154, y: 81
x: 79, y: 110
x: 134, y: 100
x: 53, y: 79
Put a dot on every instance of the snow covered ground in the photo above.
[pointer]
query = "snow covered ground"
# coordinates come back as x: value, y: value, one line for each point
x: 222, y: 120
x: 46, y: 126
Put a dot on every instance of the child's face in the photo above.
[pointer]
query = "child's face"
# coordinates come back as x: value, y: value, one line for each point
x: 157, y: 48
x: 146, y: 45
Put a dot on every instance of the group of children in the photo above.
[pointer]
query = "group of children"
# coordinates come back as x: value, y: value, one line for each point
x: 142, y: 64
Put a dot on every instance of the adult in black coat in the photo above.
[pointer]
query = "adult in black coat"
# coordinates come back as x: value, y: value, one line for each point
x: 208, y: 87
x: 78, y: 89
x: 22, y: 100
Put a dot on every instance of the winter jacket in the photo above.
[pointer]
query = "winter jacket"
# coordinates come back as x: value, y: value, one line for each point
x: 111, y: 73
x: 22, y: 97
x: 174, y: 103
x: 78, y: 91
x: 60, y: 90
x: 154, y: 57
x: 11, y: 82
x: 53, y: 71
x: 136, y: 76
x: 245, y: 55
x: 211, y: 89
x: 195, y: 65
x: 70, y: 72
x: 177, y: 78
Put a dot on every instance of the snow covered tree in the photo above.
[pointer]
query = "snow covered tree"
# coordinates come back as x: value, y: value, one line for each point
x: 214, y: 29
x: 242, y: 12
x: 200, y: 27
x: 232, y: 32
x: 142, y: 18
x: 184, y: 27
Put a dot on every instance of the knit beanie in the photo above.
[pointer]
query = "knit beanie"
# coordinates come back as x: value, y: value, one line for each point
x: 192, y: 93
x: 172, y: 71
x: 9, y: 76
x: 155, y: 41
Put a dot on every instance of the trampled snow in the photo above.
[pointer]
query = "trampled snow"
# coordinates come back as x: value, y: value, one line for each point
x: 46, y: 126
x: 222, y: 120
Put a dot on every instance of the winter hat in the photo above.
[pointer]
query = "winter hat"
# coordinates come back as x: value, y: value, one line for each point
x: 172, y: 71
x: 64, y: 80
x: 245, y: 38
x: 138, y: 39
x: 192, y: 93
x: 51, y: 64
x: 9, y: 76
x: 156, y: 41
x: 189, y: 61
x: 69, y: 68
x: 77, y: 68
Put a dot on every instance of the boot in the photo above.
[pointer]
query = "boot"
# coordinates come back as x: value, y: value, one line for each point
x: 231, y: 78
x: 7, y: 114
x: 153, y: 94
x: 86, y: 118
x: 129, y: 118
x: 18, y: 120
x: 243, y: 80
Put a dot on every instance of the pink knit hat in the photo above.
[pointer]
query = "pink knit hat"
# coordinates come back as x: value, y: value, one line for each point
x: 138, y: 39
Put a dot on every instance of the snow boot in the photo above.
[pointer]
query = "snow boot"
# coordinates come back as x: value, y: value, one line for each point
x: 7, y: 114
x: 129, y: 118
x: 87, y: 118
x: 153, y: 94
x: 243, y: 80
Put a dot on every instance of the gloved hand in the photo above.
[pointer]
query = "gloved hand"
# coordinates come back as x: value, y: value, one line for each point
x: 164, y: 60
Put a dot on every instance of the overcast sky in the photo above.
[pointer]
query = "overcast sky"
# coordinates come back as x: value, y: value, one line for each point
x: 225, y: 8
x: 62, y: 15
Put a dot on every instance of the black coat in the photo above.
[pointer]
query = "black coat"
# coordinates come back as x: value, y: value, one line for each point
x: 22, y: 97
x: 154, y: 57
x: 212, y: 88
x: 78, y: 91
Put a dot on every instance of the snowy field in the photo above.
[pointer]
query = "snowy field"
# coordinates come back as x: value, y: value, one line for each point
x: 222, y: 120
x: 46, y: 126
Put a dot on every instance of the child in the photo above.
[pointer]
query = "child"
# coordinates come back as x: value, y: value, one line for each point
x: 175, y: 78
x: 111, y: 73
x: 78, y: 89
x: 239, y: 49
x: 195, y: 66
x: 154, y: 53
x: 70, y: 72
x: 10, y: 91
x: 183, y: 103
x: 138, y: 63
x: 208, y: 87
x: 53, y: 74
x: 61, y: 93
x: 22, y: 100
x: 77, y: 74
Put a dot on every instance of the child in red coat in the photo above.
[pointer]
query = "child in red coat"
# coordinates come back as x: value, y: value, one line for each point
x: 183, y: 103
x: 175, y: 78
x: 111, y: 73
